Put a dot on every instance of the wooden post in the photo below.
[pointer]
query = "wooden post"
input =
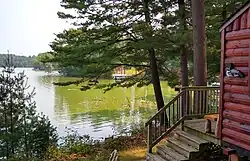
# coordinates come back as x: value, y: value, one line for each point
x: 184, y: 103
x: 183, y: 106
x: 208, y: 125
x: 216, y: 127
x: 233, y: 157
x: 150, y: 138
x: 187, y: 102
x: 196, y: 102
x: 222, y: 73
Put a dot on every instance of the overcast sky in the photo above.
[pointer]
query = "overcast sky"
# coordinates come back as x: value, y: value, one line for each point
x: 27, y: 26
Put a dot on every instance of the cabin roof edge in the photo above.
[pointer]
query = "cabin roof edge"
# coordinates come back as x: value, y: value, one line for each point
x: 235, y: 15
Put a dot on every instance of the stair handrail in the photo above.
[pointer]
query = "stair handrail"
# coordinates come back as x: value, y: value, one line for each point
x: 164, y: 108
x: 177, y: 88
x: 154, y: 138
x: 181, y: 100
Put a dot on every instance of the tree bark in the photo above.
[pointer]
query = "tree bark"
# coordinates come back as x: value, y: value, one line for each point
x: 183, y: 55
x: 184, y: 67
x: 199, y: 41
x: 156, y: 80
x: 153, y: 62
x: 183, y: 52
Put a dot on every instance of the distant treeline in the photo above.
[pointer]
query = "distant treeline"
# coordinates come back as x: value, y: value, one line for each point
x: 17, y: 61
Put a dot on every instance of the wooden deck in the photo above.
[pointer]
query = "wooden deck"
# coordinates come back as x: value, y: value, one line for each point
x: 199, y: 125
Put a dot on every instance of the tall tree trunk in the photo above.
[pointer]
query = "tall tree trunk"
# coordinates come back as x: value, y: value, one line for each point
x: 184, y: 66
x: 183, y: 52
x: 156, y: 80
x: 200, y: 65
x: 199, y: 40
x: 153, y: 62
x: 183, y: 55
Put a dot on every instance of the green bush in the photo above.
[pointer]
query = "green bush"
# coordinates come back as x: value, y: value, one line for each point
x: 24, y: 134
x: 74, y: 143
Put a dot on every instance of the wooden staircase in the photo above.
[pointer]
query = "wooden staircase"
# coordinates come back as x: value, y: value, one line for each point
x: 183, y: 146
x: 167, y: 130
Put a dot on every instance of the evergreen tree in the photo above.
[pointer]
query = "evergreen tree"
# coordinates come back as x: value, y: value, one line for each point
x: 110, y: 34
x: 216, y: 12
x: 169, y: 29
x: 24, y: 134
x: 18, y: 61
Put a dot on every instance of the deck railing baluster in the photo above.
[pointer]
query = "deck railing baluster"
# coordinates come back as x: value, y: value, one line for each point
x: 203, y: 100
x: 193, y: 108
x: 199, y: 102
x: 160, y: 125
x: 155, y: 129
x: 165, y: 121
x: 217, y: 98
x: 215, y: 104
x: 187, y: 102
x: 208, y: 101
x: 150, y: 138
x: 169, y: 115
x: 173, y: 113
x: 177, y: 108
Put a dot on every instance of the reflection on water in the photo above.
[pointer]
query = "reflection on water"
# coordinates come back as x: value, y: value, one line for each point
x: 93, y: 112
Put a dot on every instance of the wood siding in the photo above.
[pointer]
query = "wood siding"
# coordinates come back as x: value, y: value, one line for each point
x: 234, y: 125
x: 240, y: 23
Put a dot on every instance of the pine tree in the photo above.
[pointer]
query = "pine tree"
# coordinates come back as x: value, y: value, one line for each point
x: 24, y: 133
x: 216, y: 13
x: 113, y: 33
x: 199, y: 40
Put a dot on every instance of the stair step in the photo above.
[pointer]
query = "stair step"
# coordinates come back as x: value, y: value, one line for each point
x: 181, y: 147
x: 170, y: 154
x: 191, y: 140
x: 154, y: 157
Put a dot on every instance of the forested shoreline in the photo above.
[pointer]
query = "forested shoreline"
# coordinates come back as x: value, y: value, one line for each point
x: 18, y: 60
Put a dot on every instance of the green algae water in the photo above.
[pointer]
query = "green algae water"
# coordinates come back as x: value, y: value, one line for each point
x: 93, y: 112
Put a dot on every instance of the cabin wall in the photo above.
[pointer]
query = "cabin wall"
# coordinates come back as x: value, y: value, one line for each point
x: 235, y: 92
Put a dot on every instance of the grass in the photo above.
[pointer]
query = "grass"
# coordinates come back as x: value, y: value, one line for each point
x: 75, y: 147
x: 134, y: 154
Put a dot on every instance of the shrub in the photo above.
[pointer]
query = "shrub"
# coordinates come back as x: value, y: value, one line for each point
x: 24, y: 134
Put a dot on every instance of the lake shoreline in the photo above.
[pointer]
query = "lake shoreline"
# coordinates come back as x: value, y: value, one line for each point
x: 129, y: 148
x: 92, y: 112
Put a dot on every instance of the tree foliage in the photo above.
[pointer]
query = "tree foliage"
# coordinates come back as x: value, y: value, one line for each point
x: 18, y: 61
x: 43, y: 61
x: 110, y: 33
x: 45, y: 57
x: 24, y: 133
x: 216, y: 13
x: 115, y: 33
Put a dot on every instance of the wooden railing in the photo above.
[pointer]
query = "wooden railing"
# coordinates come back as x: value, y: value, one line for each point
x: 189, y: 103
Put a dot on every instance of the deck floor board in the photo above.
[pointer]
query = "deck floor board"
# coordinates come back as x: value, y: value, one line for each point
x: 199, y: 124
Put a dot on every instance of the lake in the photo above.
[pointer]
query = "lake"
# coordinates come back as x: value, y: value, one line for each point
x: 93, y: 112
